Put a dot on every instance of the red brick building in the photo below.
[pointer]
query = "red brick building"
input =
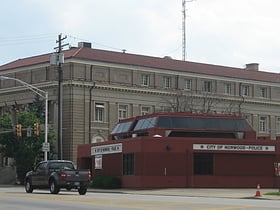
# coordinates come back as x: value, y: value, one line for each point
x: 184, y: 150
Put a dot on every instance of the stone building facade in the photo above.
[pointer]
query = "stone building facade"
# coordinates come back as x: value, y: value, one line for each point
x: 100, y: 87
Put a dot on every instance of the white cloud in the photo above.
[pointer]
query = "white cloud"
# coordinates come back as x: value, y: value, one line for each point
x: 237, y: 32
x: 221, y: 32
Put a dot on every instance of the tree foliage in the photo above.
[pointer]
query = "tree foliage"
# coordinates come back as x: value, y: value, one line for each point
x: 5, y: 122
x: 26, y: 150
x: 38, y: 108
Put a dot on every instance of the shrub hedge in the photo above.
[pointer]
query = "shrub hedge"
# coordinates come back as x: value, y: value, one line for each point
x: 106, y: 182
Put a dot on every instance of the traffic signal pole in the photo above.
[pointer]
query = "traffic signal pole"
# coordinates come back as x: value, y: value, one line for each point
x: 43, y: 94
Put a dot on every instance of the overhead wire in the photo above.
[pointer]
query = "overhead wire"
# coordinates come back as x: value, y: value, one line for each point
x: 16, y: 40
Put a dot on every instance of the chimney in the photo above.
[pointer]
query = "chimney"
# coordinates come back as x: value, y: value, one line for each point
x: 252, y: 66
x: 84, y: 44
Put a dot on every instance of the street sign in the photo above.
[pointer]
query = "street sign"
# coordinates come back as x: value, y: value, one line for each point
x: 46, y: 147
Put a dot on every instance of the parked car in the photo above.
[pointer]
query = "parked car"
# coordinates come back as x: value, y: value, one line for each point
x: 57, y: 174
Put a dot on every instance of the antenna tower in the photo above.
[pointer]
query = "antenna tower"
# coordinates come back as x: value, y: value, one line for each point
x: 184, y: 30
x: 184, y: 53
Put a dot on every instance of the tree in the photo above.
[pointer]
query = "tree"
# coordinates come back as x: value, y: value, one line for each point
x: 204, y: 102
x: 26, y: 150
x: 38, y: 107
x: 180, y: 102
x: 7, y: 136
x: 209, y: 103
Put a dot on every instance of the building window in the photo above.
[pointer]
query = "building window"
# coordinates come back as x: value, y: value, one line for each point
x: 145, y: 80
x: 277, y: 125
x: 167, y: 82
x: 263, y: 92
x: 227, y: 88
x: 128, y: 164
x: 99, y: 112
x: 263, y: 124
x: 245, y: 90
x: 145, y: 110
x: 123, y: 112
x: 188, y: 84
x: 203, y: 164
x: 207, y: 86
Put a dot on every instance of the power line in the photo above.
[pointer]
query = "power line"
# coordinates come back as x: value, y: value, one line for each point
x: 19, y: 40
x: 29, y: 37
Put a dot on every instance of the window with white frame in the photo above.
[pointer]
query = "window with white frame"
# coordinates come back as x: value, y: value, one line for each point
x: 188, y: 84
x: 123, y: 112
x: 263, y: 124
x: 207, y: 86
x: 145, y: 80
x: 167, y: 82
x: 245, y: 90
x: 263, y: 92
x: 227, y: 88
x: 99, y: 112
x: 277, y: 124
x: 145, y: 110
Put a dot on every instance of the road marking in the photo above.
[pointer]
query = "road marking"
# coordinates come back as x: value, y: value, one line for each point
x: 120, y: 203
x: 228, y: 208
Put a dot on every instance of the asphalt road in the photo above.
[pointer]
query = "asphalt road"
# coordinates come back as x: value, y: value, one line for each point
x: 16, y: 198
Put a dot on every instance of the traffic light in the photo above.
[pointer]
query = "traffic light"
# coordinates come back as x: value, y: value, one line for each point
x: 36, y: 129
x: 19, y: 130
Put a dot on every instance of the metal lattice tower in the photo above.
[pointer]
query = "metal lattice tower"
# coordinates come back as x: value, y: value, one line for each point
x: 184, y: 30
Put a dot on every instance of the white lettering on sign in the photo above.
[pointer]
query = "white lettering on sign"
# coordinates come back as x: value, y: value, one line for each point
x: 234, y: 147
x: 106, y: 149
x: 46, y: 147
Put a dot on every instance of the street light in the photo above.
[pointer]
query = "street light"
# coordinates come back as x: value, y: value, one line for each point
x: 43, y: 94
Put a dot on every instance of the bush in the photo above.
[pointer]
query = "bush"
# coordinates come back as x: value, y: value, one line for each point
x: 106, y: 182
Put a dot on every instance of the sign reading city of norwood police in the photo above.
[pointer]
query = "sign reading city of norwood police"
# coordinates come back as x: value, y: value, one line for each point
x: 106, y: 149
x: 234, y: 147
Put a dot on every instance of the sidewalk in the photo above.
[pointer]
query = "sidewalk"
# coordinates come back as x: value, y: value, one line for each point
x: 199, y: 192
x: 237, y: 193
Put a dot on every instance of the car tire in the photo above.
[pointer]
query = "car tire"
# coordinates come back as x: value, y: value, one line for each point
x: 82, y: 190
x: 54, y: 189
x: 28, y: 186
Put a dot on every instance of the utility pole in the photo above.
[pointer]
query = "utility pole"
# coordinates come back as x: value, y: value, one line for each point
x: 59, y: 61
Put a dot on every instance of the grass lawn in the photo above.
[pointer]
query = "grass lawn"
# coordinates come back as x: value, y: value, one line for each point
x: 273, y: 193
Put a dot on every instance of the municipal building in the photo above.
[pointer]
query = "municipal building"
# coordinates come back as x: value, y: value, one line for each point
x: 101, y: 87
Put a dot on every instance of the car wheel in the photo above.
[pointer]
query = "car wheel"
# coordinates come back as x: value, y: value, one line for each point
x: 54, y: 189
x: 82, y: 190
x: 28, y: 186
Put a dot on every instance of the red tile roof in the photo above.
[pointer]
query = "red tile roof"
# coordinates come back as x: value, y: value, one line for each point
x: 148, y: 61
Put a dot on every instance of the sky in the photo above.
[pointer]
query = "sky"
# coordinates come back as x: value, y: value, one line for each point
x: 221, y: 32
